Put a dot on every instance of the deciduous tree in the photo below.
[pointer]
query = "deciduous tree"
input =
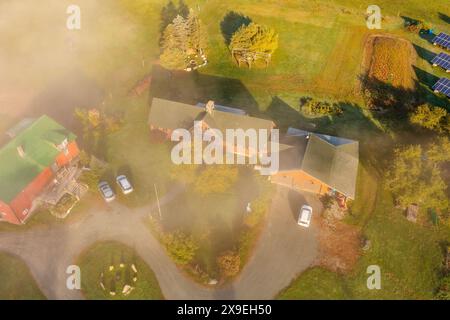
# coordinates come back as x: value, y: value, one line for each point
x: 429, y: 117
x: 181, y: 247
x: 415, y: 176
x: 254, y: 42
x: 229, y: 263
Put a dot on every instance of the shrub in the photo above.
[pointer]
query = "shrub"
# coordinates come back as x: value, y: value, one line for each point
x: 429, y: 117
x: 312, y: 107
x: 181, y: 247
x: 229, y: 263
x: 90, y: 178
x: 444, y: 289
x: 216, y: 179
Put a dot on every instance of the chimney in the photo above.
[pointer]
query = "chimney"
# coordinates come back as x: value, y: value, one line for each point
x: 210, y: 107
x: 21, y: 151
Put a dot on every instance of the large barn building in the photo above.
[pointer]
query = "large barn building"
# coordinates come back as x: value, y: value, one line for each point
x: 30, y: 162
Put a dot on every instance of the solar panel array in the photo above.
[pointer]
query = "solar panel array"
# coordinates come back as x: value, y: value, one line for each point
x: 443, y: 40
x: 443, y: 86
x: 442, y: 60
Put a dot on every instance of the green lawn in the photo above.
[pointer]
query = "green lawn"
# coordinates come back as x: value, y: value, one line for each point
x: 16, y: 281
x: 100, y: 256
x: 320, y: 52
x: 316, y: 284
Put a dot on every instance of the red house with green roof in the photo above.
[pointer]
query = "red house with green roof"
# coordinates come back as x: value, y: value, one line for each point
x: 29, y: 163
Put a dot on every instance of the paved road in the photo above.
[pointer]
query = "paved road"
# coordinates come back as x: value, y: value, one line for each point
x: 283, y: 251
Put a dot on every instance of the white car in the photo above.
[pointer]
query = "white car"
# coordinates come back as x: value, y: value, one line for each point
x: 124, y: 184
x: 304, y: 218
x: 106, y: 191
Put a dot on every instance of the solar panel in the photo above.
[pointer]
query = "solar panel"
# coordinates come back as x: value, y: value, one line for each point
x: 443, y: 40
x: 443, y: 86
x: 442, y: 60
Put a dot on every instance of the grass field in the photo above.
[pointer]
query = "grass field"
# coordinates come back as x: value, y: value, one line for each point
x: 320, y: 54
x: 100, y: 256
x: 16, y: 282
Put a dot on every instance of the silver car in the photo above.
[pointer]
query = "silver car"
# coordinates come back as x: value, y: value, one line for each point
x: 124, y: 184
x: 106, y: 191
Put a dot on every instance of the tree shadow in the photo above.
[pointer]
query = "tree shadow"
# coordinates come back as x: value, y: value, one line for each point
x: 424, y: 53
x: 424, y: 86
x: 425, y: 77
x: 231, y: 22
x: 352, y: 124
x: 194, y: 87
x: 383, y: 96
x: 444, y: 17
x: 427, y: 35
x: 408, y: 21
x: 109, y: 176
x: 296, y: 201
x: 170, y: 11
x: 125, y: 170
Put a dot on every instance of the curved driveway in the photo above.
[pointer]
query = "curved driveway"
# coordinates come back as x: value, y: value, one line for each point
x: 283, y: 251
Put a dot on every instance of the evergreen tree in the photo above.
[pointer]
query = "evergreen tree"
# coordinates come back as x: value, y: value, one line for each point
x: 168, y: 13
x: 182, y: 39
x: 197, y: 39
x: 173, y: 56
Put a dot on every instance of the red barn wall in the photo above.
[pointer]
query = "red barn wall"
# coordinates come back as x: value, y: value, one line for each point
x: 23, y: 202
x: 6, y: 214
x: 18, y: 209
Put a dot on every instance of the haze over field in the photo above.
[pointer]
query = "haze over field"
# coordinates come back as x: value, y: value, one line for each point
x: 44, y: 65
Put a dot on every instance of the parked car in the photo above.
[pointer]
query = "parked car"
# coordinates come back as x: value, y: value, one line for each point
x: 106, y: 191
x: 304, y: 218
x: 124, y: 184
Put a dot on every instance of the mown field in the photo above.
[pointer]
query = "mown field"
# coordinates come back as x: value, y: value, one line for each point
x: 16, y: 281
x: 97, y: 260
x: 320, y: 53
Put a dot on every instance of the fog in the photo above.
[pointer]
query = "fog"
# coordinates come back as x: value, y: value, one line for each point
x: 47, y: 68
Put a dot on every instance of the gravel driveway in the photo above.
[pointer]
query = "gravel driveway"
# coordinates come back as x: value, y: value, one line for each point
x: 283, y: 251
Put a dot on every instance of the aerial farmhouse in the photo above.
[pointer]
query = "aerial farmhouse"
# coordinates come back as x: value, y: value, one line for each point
x: 308, y: 161
x: 36, y: 164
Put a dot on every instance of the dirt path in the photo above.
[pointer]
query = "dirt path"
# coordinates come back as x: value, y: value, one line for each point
x: 284, y: 251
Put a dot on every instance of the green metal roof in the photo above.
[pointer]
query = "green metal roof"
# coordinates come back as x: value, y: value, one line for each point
x: 39, y: 141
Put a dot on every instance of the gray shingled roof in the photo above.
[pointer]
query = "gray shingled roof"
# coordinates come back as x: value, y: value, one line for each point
x: 332, y: 160
x: 173, y: 115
